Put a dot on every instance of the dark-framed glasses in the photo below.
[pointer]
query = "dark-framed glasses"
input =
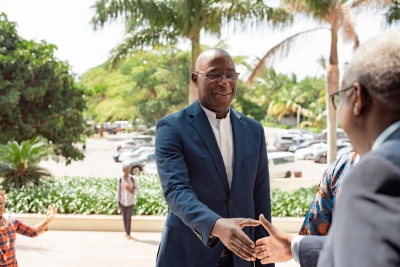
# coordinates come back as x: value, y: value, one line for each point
x: 336, y: 95
x: 219, y: 76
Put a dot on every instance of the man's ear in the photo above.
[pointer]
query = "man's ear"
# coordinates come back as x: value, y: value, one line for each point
x: 361, y: 99
x: 194, y: 78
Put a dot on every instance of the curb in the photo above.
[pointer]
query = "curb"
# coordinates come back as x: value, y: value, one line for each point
x: 292, y: 184
x: 70, y: 222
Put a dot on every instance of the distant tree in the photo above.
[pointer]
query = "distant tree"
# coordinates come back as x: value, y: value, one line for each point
x: 151, y: 23
x: 38, y: 95
x: 146, y: 86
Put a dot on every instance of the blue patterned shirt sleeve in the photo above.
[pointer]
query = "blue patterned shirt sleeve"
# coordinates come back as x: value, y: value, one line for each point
x: 319, y: 216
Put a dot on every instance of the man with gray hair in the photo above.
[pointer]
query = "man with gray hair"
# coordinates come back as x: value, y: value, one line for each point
x: 366, y: 229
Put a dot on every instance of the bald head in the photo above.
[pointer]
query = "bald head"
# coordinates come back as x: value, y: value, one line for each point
x: 209, y: 55
x: 376, y: 66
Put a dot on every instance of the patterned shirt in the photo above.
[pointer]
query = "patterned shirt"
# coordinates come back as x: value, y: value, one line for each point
x: 319, y: 216
x: 7, y: 239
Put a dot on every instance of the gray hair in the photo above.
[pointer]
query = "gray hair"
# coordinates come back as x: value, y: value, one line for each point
x: 376, y: 65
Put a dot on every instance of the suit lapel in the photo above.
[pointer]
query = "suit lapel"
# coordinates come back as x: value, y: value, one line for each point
x: 202, y: 126
x: 239, y: 137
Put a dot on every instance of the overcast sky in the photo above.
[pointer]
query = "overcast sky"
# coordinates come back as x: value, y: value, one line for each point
x: 66, y: 23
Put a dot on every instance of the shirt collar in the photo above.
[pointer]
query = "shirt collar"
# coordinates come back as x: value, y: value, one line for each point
x: 385, y: 135
x: 212, y: 115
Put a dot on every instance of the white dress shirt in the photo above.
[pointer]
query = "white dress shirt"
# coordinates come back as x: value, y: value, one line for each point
x: 222, y: 129
x: 295, y: 245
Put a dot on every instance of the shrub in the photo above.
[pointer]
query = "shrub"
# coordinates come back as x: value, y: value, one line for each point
x: 75, y: 195
x: 19, y: 162
x: 78, y: 195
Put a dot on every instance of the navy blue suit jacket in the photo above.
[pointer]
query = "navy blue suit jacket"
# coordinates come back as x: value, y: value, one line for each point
x: 195, y: 185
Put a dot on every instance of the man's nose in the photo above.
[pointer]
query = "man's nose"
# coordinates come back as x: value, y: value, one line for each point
x: 224, y: 82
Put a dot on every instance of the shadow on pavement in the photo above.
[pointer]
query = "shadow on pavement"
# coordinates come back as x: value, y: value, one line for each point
x: 150, y: 242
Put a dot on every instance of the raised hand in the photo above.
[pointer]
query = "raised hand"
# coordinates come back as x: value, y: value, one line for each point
x: 273, y: 248
x: 229, y: 231
x: 51, y: 212
x: 2, y: 193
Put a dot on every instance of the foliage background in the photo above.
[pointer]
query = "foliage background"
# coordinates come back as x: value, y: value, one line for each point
x: 38, y: 95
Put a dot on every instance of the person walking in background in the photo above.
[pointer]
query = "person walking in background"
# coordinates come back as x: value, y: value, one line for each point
x: 320, y: 214
x: 10, y: 226
x: 127, y: 187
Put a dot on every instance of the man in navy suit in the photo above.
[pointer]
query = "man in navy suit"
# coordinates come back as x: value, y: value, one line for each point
x: 366, y: 228
x: 213, y: 166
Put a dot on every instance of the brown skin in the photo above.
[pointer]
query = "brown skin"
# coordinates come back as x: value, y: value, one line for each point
x: 215, y: 95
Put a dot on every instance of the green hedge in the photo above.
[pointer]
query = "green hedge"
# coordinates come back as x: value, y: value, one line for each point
x: 76, y: 195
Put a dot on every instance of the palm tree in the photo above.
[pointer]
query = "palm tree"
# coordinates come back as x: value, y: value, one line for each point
x: 19, y: 163
x: 151, y: 23
x: 338, y: 16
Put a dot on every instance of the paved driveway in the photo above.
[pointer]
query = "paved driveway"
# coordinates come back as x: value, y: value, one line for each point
x: 84, y: 249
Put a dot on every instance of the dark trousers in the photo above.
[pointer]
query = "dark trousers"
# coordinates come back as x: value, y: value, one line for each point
x: 127, y: 217
x: 226, y: 261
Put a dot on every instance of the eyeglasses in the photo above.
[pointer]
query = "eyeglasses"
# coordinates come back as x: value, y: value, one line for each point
x: 219, y: 76
x: 336, y: 97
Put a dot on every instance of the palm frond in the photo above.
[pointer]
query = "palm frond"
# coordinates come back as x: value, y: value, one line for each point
x: 282, y: 50
x: 146, y: 37
x: 158, y: 12
x: 370, y: 4
x: 347, y: 23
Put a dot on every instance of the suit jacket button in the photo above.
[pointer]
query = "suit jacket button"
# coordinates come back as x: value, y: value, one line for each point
x: 231, y: 202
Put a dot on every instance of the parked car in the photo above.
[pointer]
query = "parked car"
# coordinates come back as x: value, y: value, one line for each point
x: 324, y: 134
x: 344, y: 151
x: 124, y: 155
x: 305, y: 144
x: 122, y: 125
x: 134, y: 141
x: 281, y: 164
x: 320, y: 156
x: 136, y: 164
x: 150, y: 167
x: 307, y: 152
x: 108, y: 127
x: 289, y: 138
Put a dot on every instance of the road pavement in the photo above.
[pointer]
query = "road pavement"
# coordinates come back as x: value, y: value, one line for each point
x: 83, y: 249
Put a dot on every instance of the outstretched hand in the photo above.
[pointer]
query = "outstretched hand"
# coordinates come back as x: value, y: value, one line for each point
x: 229, y: 231
x: 273, y: 248
x: 51, y: 212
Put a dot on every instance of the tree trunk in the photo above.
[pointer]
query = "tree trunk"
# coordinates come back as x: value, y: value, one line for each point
x: 101, y: 130
x: 332, y: 86
x: 196, y: 50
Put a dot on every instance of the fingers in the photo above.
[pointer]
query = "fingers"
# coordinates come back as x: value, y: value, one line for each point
x: 267, y: 225
x: 248, y: 222
x: 261, y: 241
x: 260, y: 247
x: 266, y: 261
x: 241, y: 252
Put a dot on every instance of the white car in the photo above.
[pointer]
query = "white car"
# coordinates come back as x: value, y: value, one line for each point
x: 281, y: 164
x: 306, y: 153
x: 135, y: 140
